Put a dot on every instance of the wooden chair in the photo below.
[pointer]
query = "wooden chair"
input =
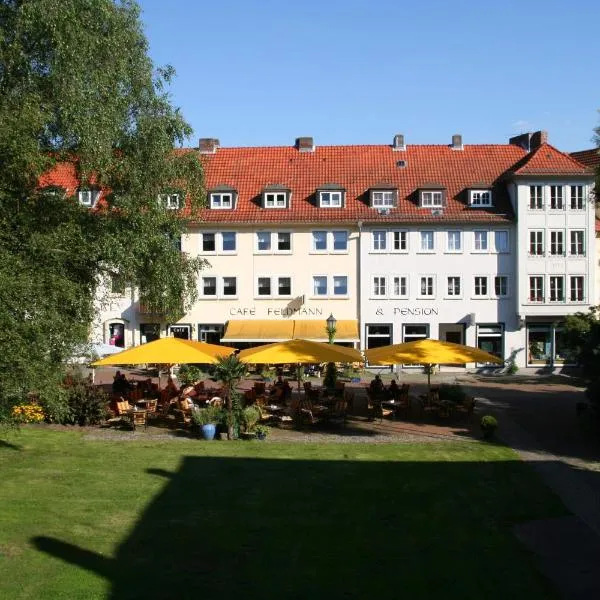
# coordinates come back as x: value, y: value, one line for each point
x: 307, y: 386
x: 152, y: 408
x: 307, y: 414
x: 139, y: 418
x: 337, y: 415
x: 259, y: 387
x: 374, y: 407
x: 430, y: 402
x: 466, y: 407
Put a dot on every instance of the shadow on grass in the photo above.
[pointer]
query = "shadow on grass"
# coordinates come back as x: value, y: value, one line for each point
x: 9, y: 445
x: 258, y: 528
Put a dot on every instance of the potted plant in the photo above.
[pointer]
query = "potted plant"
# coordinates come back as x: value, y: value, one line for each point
x: 261, y: 431
x: 250, y: 419
x: 488, y: 425
x: 206, y: 419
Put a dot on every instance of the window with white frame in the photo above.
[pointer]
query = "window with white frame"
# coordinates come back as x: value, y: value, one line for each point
x: 536, y: 243
x: 399, y: 286
x: 275, y: 199
x: 379, y: 240
x: 576, y: 243
x: 501, y: 240
x: 330, y: 199
x: 399, y: 241
x: 88, y: 198
x: 220, y: 200
x: 556, y: 197
x: 229, y: 286
x: 481, y: 285
x: 263, y: 241
x: 340, y: 241
x: 501, y: 286
x: 209, y: 243
x: 340, y: 285
x: 454, y: 286
x: 536, y: 288
x: 264, y: 286
x: 481, y: 198
x: 277, y: 242
x: 432, y: 199
x: 557, y: 288
x: 576, y: 195
x: 378, y: 335
x: 379, y: 286
x: 319, y: 285
x: 284, y: 241
x: 536, y: 197
x: 383, y: 199
x: 557, y: 243
x: 209, y: 286
x: 480, y: 241
x: 454, y: 241
x: 169, y: 201
x: 228, y: 241
x: 319, y: 241
x: 427, y: 286
x: 576, y: 288
x: 427, y: 244
x: 284, y: 286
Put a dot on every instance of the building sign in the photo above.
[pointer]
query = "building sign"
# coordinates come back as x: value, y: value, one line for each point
x: 250, y: 311
x: 405, y: 311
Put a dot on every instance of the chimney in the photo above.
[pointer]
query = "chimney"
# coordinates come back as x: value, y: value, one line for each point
x: 305, y: 144
x: 208, y: 145
x: 522, y: 141
x: 538, y: 138
x: 398, y: 143
x: 457, y: 142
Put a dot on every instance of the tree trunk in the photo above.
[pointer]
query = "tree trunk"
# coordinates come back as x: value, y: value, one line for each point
x: 229, y: 416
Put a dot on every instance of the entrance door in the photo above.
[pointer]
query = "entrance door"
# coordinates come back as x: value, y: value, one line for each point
x: 180, y: 331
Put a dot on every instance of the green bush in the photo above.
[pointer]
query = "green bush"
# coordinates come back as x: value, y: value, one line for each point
x: 452, y: 392
x: 488, y: 425
x: 211, y: 415
x: 86, y: 404
x: 330, y: 376
x: 189, y: 374
x: 250, y: 418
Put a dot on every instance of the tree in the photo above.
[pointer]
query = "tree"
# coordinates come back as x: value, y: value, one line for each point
x: 80, y: 100
x: 229, y: 370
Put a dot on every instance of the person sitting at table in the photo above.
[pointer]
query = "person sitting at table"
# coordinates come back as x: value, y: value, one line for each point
x: 393, y: 389
x: 120, y: 384
x: 171, y: 388
x: 376, y: 386
x: 281, y: 388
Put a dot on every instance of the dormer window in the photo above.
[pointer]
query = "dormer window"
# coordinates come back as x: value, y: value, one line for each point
x: 221, y: 200
x: 432, y: 196
x: 383, y: 198
x: 88, y: 198
x: 275, y: 197
x: 169, y: 201
x: 330, y: 199
x: 480, y: 198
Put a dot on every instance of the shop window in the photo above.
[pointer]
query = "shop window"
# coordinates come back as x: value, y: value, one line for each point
x: 378, y: 335
x: 116, y: 334
x: 490, y: 338
x: 183, y: 332
x: 539, y: 345
x: 149, y: 332
x: 210, y: 333
x: 412, y: 333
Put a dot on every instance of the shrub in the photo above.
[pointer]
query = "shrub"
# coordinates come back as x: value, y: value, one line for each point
x: 250, y: 417
x: 330, y: 376
x: 488, y: 425
x: 80, y: 403
x: 189, y: 374
x: 211, y: 415
x: 261, y: 431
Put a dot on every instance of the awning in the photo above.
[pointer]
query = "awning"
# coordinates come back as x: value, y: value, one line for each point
x: 243, y: 330
x: 256, y: 330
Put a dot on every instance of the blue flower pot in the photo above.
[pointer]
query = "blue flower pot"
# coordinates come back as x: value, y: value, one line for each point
x: 208, y: 431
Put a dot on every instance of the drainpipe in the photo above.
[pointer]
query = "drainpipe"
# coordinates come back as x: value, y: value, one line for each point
x: 359, y: 224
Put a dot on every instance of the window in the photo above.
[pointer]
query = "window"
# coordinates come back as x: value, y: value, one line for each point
x: 379, y: 286
x: 229, y: 286
x: 88, y: 197
x: 536, y: 289
x: 427, y: 286
x: 557, y: 243
x: 263, y: 241
x: 117, y: 284
x: 379, y: 240
x: 381, y: 199
x: 330, y: 199
x: 209, y: 286
x: 490, y: 338
x: 536, y: 243
x: 432, y: 199
x: 399, y: 241
x: 284, y: 241
x: 481, y: 240
x: 284, y: 286
x: 501, y: 286
x: 320, y: 285
x: 576, y: 288
x: 211, y: 333
x: 576, y: 197
x: 557, y: 288
x: 169, y: 201
x: 501, y: 241
x: 378, y: 335
x: 576, y: 243
x: 264, y: 286
x: 340, y: 285
x: 481, y: 198
x: 340, y: 241
x: 399, y: 286
x: 556, y: 197
x: 426, y: 241
x: 454, y: 286
x: 454, y: 241
x: 412, y: 333
x: 221, y: 201
x: 319, y: 240
x: 208, y: 242
x: 275, y: 199
x: 228, y: 241
x: 536, y: 199
x: 481, y: 286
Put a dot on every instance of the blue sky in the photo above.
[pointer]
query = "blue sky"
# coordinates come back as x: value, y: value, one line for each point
x: 261, y: 73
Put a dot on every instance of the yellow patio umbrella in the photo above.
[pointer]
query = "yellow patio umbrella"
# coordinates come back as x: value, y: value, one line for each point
x: 168, y: 351
x: 428, y: 352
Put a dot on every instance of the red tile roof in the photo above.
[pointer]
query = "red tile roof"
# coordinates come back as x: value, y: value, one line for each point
x: 547, y: 160
x: 589, y: 158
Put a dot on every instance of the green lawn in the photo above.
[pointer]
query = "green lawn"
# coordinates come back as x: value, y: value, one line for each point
x: 217, y: 520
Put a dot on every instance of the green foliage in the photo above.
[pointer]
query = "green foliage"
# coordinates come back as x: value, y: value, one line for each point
x: 189, y: 374
x: 80, y: 95
x: 80, y: 403
x: 251, y: 417
x: 262, y: 431
x: 453, y: 392
x: 207, y: 416
x: 488, y: 425
x: 330, y: 376
x: 230, y: 370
